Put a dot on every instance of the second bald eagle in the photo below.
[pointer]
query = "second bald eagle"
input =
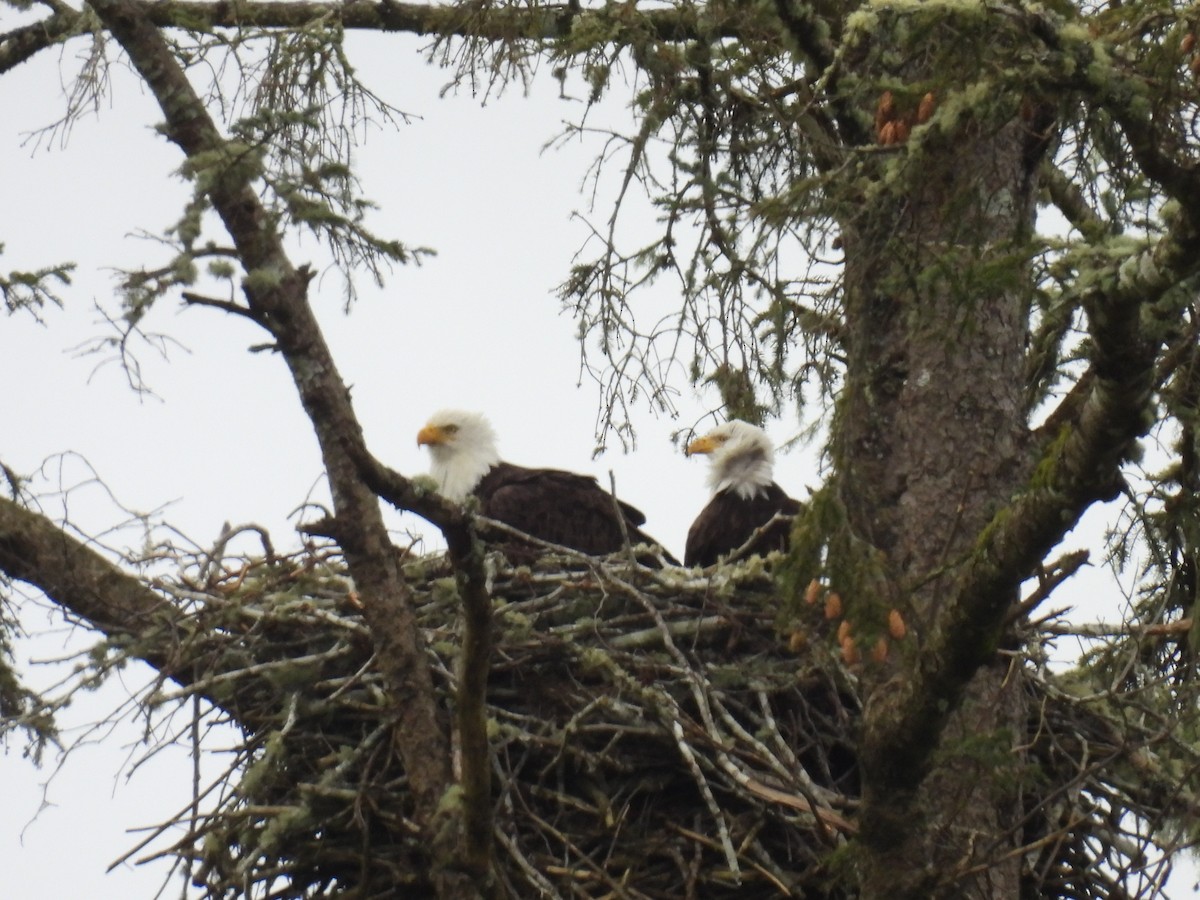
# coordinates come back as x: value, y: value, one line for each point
x: 556, y: 506
x: 745, y: 495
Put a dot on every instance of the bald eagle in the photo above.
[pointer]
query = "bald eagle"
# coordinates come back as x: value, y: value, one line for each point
x: 745, y: 496
x: 556, y: 506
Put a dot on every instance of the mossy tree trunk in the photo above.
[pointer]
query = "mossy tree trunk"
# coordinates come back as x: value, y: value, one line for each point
x: 931, y: 443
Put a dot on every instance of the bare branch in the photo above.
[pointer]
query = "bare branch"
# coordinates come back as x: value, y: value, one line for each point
x: 22, y: 43
x: 228, y: 306
x: 34, y: 550
x: 276, y: 292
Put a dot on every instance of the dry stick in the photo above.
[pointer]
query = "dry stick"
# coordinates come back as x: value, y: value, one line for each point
x: 710, y: 801
x: 636, y: 640
x: 172, y: 821
x: 1177, y: 629
x: 808, y: 803
x: 597, y: 870
x: 356, y: 678
x: 755, y: 536
x: 569, y: 727
x: 1060, y: 570
x: 546, y: 546
x: 536, y: 878
x: 763, y: 750
x: 626, y: 547
x: 669, y: 709
x: 194, y: 813
x: 593, y: 563
x: 758, y: 867
x: 764, y: 706
x: 701, y: 698
x: 257, y: 669
x: 826, y: 818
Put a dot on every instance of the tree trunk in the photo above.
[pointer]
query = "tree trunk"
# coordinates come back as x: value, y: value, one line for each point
x: 930, y: 446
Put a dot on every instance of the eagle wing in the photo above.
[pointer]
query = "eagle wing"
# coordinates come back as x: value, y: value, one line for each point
x: 560, y: 507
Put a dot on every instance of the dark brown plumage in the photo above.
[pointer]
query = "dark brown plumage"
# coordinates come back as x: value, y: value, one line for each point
x: 550, y: 504
x: 728, y: 521
x: 559, y: 507
x: 745, y: 498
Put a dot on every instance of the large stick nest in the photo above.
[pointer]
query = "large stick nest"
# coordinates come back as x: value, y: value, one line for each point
x: 654, y: 735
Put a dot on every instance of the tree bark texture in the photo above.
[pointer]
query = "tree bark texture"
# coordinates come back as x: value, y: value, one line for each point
x: 35, y: 550
x: 931, y: 444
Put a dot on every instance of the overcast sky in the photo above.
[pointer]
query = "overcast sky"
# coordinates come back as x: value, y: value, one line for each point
x: 224, y: 439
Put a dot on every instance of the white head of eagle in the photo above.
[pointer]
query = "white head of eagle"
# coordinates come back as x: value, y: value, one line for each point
x: 463, y: 447
x: 742, y: 458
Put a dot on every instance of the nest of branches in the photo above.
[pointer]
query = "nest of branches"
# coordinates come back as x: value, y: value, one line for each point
x: 654, y: 735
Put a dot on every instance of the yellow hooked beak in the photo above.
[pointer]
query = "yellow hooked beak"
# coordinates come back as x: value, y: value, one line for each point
x: 431, y: 434
x: 702, y: 445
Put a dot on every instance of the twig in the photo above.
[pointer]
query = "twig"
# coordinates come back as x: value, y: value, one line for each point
x: 689, y: 758
x: 1060, y: 570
